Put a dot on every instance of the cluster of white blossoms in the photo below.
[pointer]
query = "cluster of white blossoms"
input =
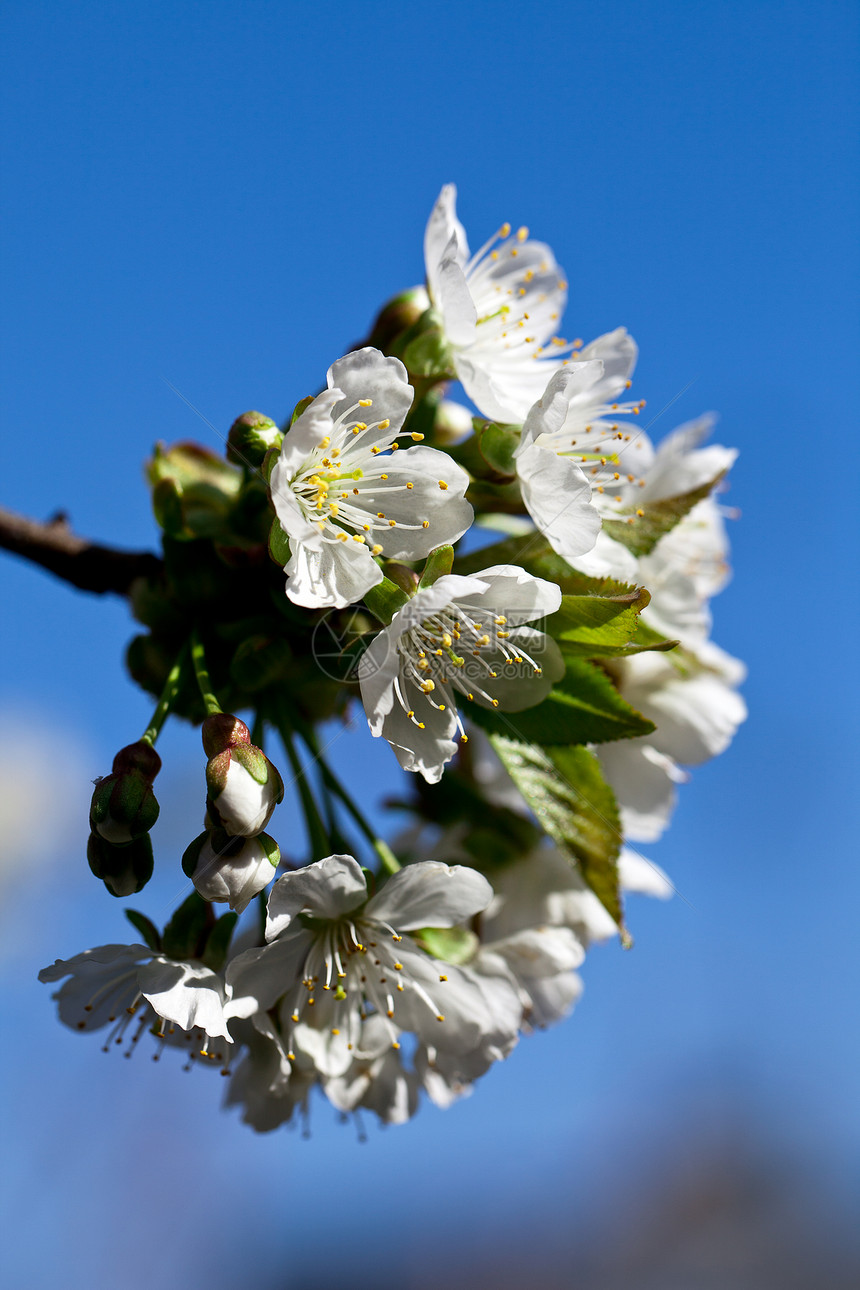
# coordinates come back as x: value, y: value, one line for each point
x: 548, y: 693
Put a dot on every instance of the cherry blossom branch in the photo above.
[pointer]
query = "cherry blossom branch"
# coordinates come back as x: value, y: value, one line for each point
x: 89, y: 566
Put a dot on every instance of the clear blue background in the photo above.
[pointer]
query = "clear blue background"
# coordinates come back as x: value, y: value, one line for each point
x: 219, y: 196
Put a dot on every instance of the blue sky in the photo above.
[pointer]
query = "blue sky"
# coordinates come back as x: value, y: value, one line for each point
x: 219, y: 197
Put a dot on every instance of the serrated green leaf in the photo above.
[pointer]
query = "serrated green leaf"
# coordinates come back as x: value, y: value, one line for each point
x: 583, y: 707
x: 185, y: 932
x: 642, y: 529
x: 218, y: 942
x: 146, y: 927
x: 497, y: 444
x: 584, y: 624
x: 566, y: 790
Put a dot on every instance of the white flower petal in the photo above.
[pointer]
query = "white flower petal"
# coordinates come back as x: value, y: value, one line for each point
x: 519, y: 596
x: 446, y: 509
x: 369, y: 374
x: 326, y: 889
x: 259, y: 977
x: 430, y: 894
x: 442, y: 226
x: 557, y: 495
x: 332, y: 575
x: 188, y: 994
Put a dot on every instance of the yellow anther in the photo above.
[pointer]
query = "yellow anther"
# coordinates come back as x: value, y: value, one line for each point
x: 392, y: 524
x: 447, y: 640
x: 494, y: 255
x: 425, y: 524
x: 375, y: 449
x: 358, y: 427
x: 416, y: 436
x: 443, y: 978
x: 443, y: 485
x: 428, y: 685
x: 495, y: 703
x: 358, y: 537
x: 383, y: 425
x: 380, y: 515
x: 522, y: 233
x: 464, y: 739
x: 365, y: 403
x: 383, y: 476
x: 640, y: 512
x: 562, y: 285
x: 334, y: 1030
x: 409, y: 484
x: 376, y: 550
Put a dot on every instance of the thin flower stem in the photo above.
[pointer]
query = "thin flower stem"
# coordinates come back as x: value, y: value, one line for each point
x: 386, y: 856
x: 166, y: 701
x: 317, y: 832
x: 198, y: 658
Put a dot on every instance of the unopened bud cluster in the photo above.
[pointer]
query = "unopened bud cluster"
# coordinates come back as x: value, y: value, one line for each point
x: 233, y: 859
x: 122, y: 812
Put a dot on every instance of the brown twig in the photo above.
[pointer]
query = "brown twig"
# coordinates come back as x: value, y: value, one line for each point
x: 85, y: 565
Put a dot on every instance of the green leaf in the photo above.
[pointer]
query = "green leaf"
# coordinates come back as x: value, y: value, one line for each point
x: 642, y: 529
x: 384, y: 600
x: 497, y: 444
x: 279, y: 544
x: 572, y: 801
x: 453, y: 944
x: 584, y: 623
x: 439, y: 563
x: 185, y: 931
x: 218, y: 942
x: 583, y: 707
x: 532, y: 552
x: 146, y: 927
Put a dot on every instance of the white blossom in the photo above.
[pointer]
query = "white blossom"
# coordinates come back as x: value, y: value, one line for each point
x: 500, y: 310
x: 336, y: 957
x: 578, y: 460
x: 461, y: 635
x: 130, y: 987
x: 343, y: 492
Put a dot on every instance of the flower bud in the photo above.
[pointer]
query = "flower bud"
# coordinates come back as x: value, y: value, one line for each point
x: 396, y: 317
x: 250, y: 438
x: 123, y: 869
x: 123, y: 805
x: 231, y: 869
x: 243, y: 787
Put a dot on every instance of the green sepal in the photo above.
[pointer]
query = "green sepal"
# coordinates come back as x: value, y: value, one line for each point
x: 279, y: 543
x: 255, y: 762
x: 640, y: 533
x: 453, y: 944
x: 300, y: 407
x: 184, y: 935
x: 565, y: 788
x: 497, y: 444
x: 191, y: 854
x: 439, y: 563
x: 218, y: 942
x: 583, y: 707
x: 148, y: 931
x: 270, y: 846
x: 193, y: 491
x: 384, y: 600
